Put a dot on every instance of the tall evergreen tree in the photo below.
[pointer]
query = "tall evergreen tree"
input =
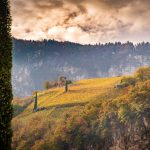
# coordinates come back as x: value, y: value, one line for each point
x: 5, y: 76
x: 66, y: 86
x: 35, y: 102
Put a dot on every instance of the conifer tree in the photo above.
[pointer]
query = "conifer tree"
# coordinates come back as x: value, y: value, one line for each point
x: 66, y: 86
x: 35, y: 102
x: 5, y: 76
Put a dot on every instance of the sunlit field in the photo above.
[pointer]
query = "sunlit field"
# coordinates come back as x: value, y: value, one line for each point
x: 79, y: 93
x: 57, y: 103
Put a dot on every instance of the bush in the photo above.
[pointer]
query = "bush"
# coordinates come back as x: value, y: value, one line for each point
x: 143, y: 74
x: 46, y: 85
x: 69, y: 81
x: 125, y: 114
x: 125, y: 82
x: 53, y: 84
x: 128, y: 81
x: 17, y: 109
x: 62, y: 80
x: 121, y: 85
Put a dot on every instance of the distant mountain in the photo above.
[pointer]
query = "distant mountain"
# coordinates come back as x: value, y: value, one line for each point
x: 37, y: 61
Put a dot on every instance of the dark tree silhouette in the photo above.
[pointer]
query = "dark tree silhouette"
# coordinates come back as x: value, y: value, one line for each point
x: 5, y: 76
x: 66, y: 86
x: 35, y: 103
x: 46, y: 85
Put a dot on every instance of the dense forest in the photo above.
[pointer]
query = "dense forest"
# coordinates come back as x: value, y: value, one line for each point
x: 37, y: 61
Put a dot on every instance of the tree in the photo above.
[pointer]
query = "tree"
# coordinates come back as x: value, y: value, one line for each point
x: 46, y: 85
x: 5, y: 76
x: 143, y: 73
x: 62, y: 80
x: 35, y: 103
x: 66, y: 86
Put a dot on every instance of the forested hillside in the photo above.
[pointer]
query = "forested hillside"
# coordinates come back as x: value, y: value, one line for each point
x: 35, y: 61
x: 99, y: 114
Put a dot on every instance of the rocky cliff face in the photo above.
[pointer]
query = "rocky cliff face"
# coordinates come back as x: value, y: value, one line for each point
x: 35, y: 62
x: 131, y: 137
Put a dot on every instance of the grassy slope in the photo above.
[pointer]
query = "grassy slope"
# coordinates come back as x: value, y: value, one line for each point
x: 91, y: 107
x: 79, y: 93
x: 57, y: 104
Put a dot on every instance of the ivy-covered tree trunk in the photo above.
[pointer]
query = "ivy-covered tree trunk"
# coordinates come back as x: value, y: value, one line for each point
x: 5, y: 76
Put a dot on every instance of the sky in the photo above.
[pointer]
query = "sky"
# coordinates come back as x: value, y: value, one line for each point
x: 82, y: 21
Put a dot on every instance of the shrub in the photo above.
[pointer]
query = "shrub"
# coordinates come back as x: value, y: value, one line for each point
x: 125, y: 114
x: 69, y: 81
x: 53, y: 84
x: 46, y: 85
x: 128, y: 80
x: 125, y: 82
x: 50, y: 84
x: 121, y: 85
x: 143, y: 74
x: 62, y: 80
x: 17, y: 109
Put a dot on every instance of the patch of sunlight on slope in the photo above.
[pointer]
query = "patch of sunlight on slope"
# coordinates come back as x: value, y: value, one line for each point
x: 79, y: 93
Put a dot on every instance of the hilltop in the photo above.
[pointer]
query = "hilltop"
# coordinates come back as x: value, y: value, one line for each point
x: 100, y: 113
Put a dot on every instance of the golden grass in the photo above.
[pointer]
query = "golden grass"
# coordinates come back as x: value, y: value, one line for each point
x: 58, y: 103
x: 80, y: 92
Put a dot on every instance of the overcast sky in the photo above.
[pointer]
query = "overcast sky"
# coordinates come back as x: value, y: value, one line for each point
x: 82, y: 21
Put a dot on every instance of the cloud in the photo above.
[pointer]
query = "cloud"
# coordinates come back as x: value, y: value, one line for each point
x: 69, y: 34
x: 82, y: 21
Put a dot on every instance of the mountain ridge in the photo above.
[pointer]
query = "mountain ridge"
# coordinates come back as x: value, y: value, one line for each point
x: 37, y: 61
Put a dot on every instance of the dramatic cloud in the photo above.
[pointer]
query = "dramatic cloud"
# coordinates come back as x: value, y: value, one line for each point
x: 83, y: 21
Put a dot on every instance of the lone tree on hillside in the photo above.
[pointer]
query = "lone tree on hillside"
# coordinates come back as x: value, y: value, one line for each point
x: 62, y: 80
x: 35, y: 103
x: 46, y: 85
x: 5, y: 76
x: 66, y: 86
